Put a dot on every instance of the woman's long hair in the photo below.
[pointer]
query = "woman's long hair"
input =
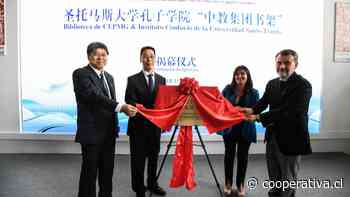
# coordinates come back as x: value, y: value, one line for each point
x: 249, y: 84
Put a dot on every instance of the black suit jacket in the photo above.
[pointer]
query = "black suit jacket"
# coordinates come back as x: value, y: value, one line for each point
x: 97, y: 120
x: 137, y: 92
x: 287, y: 117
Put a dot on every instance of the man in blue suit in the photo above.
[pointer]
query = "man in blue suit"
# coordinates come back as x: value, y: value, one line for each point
x: 97, y: 123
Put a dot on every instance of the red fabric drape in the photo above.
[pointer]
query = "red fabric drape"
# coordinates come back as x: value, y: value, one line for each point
x: 216, y: 113
x: 183, y: 170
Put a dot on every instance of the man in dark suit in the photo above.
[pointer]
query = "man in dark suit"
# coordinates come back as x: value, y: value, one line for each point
x: 144, y: 135
x: 97, y: 123
x: 287, y: 136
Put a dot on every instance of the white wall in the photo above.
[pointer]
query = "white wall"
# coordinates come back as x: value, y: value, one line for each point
x: 336, y: 81
x: 335, y: 125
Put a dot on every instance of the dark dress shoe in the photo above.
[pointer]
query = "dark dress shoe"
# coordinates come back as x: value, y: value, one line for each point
x: 157, y: 190
x: 140, y: 194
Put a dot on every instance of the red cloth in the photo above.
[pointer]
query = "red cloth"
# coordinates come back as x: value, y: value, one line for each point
x: 183, y: 170
x: 216, y: 113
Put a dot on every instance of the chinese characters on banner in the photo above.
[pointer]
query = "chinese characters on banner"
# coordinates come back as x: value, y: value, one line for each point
x: 342, y: 32
x: 174, y: 19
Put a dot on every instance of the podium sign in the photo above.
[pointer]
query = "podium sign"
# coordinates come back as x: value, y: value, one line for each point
x: 189, y: 116
x: 166, y: 97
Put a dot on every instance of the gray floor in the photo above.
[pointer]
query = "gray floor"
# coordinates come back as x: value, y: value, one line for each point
x: 25, y: 175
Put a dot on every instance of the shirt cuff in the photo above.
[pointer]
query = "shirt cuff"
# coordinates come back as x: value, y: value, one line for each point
x: 119, y: 107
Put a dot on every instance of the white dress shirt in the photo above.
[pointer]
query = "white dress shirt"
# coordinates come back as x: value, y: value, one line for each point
x: 146, y: 73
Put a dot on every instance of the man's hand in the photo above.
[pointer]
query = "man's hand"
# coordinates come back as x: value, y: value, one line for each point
x: 129, y: 110
x: 251, y: 118
x: 245, y: 110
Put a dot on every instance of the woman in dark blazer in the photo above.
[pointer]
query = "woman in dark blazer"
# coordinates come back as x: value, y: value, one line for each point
x: 242, y: 94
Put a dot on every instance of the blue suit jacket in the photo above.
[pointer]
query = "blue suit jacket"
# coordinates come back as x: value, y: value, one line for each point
x: 247, y: 129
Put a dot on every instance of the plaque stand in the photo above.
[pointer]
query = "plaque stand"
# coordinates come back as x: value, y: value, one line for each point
x: 189, y: 117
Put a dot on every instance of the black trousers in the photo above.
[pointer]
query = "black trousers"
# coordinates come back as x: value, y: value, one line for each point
x: 144, y: 144
x: 97, y: 161
x: 242, y: 159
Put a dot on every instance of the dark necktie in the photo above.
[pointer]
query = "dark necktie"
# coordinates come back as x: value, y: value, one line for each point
x: 105, y: 86
x: 150, y: 83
